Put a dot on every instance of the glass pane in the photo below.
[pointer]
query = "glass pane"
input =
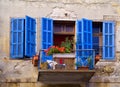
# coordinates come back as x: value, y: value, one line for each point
x: 58, y: 28
x: 69, y: 28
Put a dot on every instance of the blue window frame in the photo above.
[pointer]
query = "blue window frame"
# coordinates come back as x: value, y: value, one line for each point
x: 47, y: 37
x: 22, y: 37
x: 30, y: 36
x: 17, y: 40
x: 84, y: 41
x: 108, y: 41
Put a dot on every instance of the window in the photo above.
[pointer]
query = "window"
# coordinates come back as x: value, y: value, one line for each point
x: 89, y: 35
x: 22, y: 37
x: 63, y: 30
x: 103, y: 39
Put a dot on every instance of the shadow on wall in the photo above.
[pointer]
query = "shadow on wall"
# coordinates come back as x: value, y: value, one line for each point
x: 63, y: 85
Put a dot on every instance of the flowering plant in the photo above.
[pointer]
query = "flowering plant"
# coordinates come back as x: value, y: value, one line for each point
x: 54, y: 49
x: 64, y: 48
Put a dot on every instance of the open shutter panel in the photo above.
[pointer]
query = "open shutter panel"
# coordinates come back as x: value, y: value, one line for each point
x: 108, y: 41
x: 17, y: 40
x: 30, y: 36
x: 79, y: 38
x: 47, y: 37
x: 84, y: 40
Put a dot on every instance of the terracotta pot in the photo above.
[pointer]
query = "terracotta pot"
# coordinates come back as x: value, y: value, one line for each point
x: 83, y: 68
x: 97, y: 57
x: 35, y: 60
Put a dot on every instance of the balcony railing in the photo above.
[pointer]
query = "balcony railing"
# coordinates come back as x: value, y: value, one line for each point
x: 83, y: 58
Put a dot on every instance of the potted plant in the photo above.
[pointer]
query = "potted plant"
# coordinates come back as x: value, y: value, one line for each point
x: 66, y: 47
x: 84, y: 63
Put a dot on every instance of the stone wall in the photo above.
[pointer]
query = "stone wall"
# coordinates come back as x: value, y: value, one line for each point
x: 17, y: 71
x: 56, y: 9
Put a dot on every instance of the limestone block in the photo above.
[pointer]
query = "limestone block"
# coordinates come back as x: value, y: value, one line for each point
x: 27, y: 84
x: 17, y: 71
x: 13, y: 84
x: 62, y: 13
x: 108, y: 69
x: 3, y: 85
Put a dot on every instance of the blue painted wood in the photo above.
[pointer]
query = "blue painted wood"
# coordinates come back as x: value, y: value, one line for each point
x: 16, y: 38
x: 47, y: 37
x: 84, y: 41
x: 108, y: 41
x: 30, y: 36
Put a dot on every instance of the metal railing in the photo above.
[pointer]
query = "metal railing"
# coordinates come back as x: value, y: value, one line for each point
x: 85, y: 57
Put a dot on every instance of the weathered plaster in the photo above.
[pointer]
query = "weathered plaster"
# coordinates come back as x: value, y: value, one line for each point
x: 17, y: 71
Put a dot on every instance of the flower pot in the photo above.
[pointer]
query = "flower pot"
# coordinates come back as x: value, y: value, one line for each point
x: 83, y: 68
x: 97, y: 58
x: 35, y: 60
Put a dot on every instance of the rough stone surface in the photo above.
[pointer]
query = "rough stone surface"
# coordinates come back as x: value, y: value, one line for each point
x: 17, y: 71
x: 107, y: 72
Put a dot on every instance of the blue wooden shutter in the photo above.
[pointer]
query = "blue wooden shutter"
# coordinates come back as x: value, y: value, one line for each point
x: 108, y: 41
x: 84, y: 39
x: 30, y: 36
x: 16, y: 38
x: 47, y: 37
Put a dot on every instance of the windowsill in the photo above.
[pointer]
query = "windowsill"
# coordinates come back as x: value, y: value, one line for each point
x: 102, y: 60
x: 64, y: 55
